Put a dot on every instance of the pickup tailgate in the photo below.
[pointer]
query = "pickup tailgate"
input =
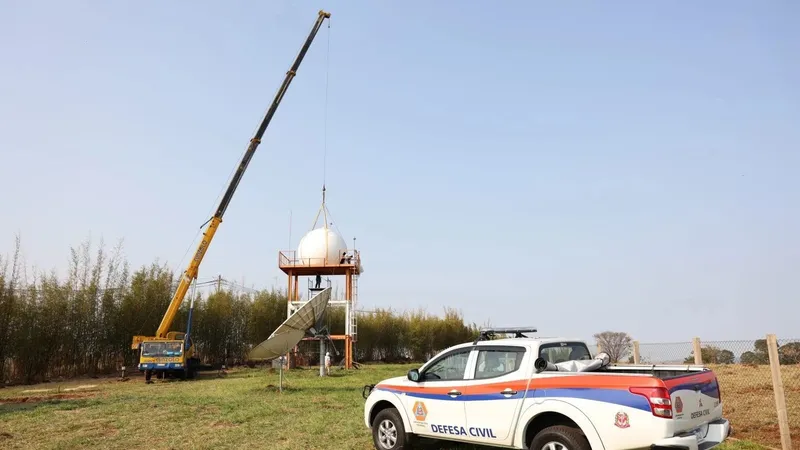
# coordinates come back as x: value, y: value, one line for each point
x: 695, y: 400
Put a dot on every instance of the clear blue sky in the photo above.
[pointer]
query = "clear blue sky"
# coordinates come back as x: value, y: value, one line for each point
x: 629, y: 166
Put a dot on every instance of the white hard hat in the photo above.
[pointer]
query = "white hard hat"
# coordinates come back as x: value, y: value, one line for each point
x: 327, y: 353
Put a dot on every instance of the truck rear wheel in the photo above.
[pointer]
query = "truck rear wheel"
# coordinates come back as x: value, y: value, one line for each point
x: 559, y: 437
x: 388, y: 432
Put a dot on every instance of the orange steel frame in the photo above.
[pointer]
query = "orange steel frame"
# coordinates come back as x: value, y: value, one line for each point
x: 294, y: 269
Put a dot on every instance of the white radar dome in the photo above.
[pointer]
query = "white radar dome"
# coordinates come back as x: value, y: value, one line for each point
x: 318, y: 244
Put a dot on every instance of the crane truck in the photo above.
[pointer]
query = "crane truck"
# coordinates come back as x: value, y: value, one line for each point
x: 173, y: 352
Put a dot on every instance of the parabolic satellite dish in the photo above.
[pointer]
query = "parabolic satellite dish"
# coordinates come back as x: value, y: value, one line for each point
x: 293, y: 329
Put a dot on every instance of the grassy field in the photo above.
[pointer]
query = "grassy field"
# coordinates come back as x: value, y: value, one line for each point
x: 750, y: 402
x: 244, y: 409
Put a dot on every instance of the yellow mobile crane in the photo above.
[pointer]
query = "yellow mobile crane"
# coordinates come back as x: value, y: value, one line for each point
x: 172, y: 352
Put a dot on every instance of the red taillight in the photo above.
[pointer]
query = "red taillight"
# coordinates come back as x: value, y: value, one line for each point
x: 658, y: 397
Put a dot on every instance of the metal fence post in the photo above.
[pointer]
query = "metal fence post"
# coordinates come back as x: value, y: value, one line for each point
x: 636, y: 355
x: 698, y: 351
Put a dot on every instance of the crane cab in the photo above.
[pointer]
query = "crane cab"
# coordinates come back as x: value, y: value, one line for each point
x: 170, y: 356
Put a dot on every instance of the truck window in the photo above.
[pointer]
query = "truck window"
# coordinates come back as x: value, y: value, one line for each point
x: 152, y: 349
x: 161, y: 349
x: 450, y: 367
x: 495, y: 363
x: 557, y: 352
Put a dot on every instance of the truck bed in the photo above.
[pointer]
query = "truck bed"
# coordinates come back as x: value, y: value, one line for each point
x: 694, y: 392
x: 662, y: 371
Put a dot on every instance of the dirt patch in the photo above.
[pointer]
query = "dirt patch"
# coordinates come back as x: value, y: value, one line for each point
x: 4, y: 435
x: 750, y: 390
x: 271, y: 388
x: 44, y: 398
x: 223, y: 424
x: 68, y: 389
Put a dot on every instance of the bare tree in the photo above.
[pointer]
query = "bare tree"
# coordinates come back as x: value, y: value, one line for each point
x: 616, y: 343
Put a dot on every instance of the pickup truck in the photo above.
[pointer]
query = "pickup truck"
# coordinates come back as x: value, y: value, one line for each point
x: 545, y: 394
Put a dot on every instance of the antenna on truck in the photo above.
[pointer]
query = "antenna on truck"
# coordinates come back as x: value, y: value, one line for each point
x: 487, y: 333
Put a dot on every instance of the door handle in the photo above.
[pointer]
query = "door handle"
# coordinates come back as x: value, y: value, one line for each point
x: 454, y: 393
x: 508, y: 391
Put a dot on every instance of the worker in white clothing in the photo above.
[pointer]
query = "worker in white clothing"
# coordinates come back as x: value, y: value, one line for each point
x: 327, y: 363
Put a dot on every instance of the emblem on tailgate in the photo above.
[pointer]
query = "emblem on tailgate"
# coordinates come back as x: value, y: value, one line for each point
x: 621, y: 420
x: 678, y: 405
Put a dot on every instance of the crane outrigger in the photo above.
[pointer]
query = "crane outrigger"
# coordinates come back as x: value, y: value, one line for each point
x: 173, y: 351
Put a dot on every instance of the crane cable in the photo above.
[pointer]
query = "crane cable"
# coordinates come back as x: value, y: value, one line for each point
x: 325, y: 210
x: 325, y: 132
x: 325, y: 126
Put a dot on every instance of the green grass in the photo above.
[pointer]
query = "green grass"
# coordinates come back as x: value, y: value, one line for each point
x: 240, y: 410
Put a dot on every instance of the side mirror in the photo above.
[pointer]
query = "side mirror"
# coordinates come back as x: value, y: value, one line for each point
x: 413, y: 375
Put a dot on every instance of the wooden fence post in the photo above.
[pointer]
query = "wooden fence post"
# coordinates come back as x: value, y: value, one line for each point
x: 698, y: 351
x: 636, y: 356
x: 777, y: 388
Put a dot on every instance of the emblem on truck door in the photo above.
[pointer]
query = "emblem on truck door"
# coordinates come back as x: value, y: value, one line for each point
x: 622, y: 420
x: 420, y: 411
x: 678, y: 405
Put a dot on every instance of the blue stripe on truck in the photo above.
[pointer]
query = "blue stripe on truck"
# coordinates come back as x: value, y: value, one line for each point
x: 161, y: 366
x: 615, y: 396
x: 710, y: 389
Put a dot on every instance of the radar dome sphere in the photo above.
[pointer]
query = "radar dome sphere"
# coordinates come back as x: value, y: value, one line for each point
x: 319, y: 244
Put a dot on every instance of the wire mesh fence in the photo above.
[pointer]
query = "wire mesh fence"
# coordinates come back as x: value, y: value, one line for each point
x: 666, y: 353
x: 744, y: 373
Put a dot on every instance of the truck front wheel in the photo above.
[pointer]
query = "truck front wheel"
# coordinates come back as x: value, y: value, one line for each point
x: 559, y: 437
x: 388, y: 432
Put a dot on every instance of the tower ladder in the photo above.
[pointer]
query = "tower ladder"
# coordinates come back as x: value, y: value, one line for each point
x: 353, y: 310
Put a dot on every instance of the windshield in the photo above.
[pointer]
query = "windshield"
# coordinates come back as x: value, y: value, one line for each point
x: 557, y: 352
x: 157, y: 349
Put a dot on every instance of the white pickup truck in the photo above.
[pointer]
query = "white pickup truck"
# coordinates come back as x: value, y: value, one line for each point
x: 545, y: 394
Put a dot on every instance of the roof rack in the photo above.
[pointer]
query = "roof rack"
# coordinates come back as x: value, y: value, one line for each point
x: 487, y: 333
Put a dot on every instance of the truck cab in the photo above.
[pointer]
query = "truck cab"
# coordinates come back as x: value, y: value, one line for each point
x: 526, y: 392
x: 172, y: 356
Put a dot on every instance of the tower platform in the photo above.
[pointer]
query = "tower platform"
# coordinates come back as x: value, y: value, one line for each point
x: 292, y: 265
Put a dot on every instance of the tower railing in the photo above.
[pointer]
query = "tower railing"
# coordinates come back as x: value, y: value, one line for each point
x: 312, y: 284
x: 290, y: 258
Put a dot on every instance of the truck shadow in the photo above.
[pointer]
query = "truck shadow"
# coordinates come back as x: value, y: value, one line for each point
x: 438, y: 445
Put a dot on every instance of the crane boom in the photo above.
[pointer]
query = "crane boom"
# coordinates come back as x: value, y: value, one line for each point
x: 191, y: 271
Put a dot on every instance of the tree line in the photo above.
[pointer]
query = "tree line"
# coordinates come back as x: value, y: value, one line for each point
x: 788, y: 353
x: 619, y: 345
x: 83, y: 325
